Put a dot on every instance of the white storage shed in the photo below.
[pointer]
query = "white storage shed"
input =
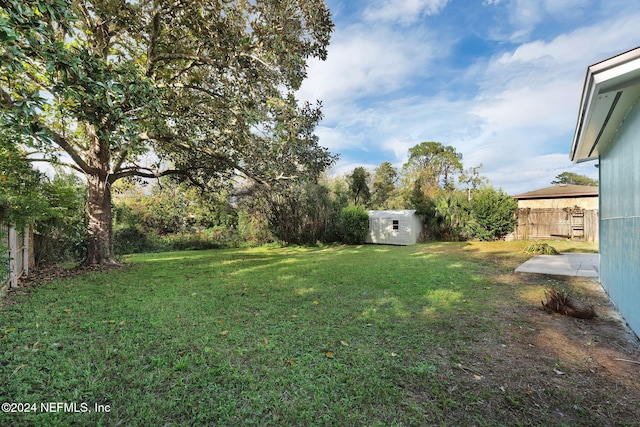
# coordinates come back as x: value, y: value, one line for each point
x: 394, y: 227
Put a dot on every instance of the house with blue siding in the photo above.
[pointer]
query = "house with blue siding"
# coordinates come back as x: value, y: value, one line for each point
x: 608, y: 131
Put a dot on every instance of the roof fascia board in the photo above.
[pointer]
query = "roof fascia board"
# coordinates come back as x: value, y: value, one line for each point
x: 613, y: 74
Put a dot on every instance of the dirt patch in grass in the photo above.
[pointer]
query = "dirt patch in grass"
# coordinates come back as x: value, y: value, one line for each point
x: 48, y: 274
x: 543, y: 362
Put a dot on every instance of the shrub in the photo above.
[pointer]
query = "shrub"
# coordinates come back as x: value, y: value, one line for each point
x: 354, y: 224
x: 131, y: 240
x: 493, y: 214
x: 541, y: 249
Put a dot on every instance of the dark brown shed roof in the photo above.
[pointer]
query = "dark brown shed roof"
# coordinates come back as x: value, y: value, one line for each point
x: 560, y: 191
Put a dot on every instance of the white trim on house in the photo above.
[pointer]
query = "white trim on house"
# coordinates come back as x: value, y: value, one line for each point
x: 611, y: 88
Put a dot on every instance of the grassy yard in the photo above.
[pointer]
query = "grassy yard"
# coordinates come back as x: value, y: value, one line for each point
x: 434, y: 334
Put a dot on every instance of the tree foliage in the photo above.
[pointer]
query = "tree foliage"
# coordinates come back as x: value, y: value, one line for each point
x: 298, y: 213
x: 434, y: 166
x: 60, y: 232
x: 354, y: 223
x: 359, y: 186
x: 385, y: 177
x: 493, y: 214
x: 574, y: 178
x: 207, y: 86
x: 452, y: 216
x: 20, y: 192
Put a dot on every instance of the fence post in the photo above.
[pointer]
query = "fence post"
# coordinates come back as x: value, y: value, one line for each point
x: 13, y: 257
x: 25, y: 253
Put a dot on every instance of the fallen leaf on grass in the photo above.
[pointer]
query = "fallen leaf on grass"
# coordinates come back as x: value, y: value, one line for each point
x: 182, y: 352
x: 10, y: 330
x: 67, y: 310
x: 477, y: 377
x: 24, y: 365
x: 221, y: 322
x: 344, y: 343
x: 394, y: 354
x: 224, y: 333
x: 329, y: 354
x: 316, y: 303
x: 291, y: 362
x: 558, y: 372
x: 265, y: 341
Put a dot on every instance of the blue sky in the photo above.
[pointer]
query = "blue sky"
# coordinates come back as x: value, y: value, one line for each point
x: 499, y: 80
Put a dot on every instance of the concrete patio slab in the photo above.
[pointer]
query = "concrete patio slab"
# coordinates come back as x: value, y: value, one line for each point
x: 565, y: 264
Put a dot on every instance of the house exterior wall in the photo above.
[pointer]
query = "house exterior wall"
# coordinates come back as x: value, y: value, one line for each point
x: 588, y: 203
x: 620, y: 218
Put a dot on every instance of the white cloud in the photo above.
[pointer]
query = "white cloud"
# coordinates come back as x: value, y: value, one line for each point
x: 518, y: 120
x: 364, y: 61
x: 403, y: 11
x: 525, y: 15
x: 588, y: 43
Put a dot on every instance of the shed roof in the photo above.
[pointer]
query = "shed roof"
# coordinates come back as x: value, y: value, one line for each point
x: 611, y: 87
x: 391, y: 213
x: 560, y: 191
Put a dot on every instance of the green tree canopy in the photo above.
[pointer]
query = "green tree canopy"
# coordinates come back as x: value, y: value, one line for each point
x: 385, y: 177
x: 21, y: 201
x: 206, y: 86
x: 433, y: 165
x: 359, y: 186
x: 574, y: 178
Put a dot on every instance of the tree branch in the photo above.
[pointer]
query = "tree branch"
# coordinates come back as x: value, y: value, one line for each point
x: 68, y: 148
x: 65, y: 164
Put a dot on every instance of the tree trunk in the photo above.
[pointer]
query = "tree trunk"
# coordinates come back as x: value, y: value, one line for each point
x: 99, y: 245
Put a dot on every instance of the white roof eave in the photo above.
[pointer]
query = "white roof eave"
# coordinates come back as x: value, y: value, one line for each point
x: 611, y: 88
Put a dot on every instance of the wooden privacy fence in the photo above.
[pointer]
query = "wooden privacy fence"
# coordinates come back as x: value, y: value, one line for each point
x: 568, y: 223
x: 18, y: 252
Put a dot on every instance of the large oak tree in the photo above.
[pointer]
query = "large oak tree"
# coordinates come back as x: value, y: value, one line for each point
x: 204, y: 88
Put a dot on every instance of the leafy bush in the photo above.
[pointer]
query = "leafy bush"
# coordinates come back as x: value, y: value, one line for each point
x: 541, y: 249
x: 131, y: 240
x: 493, y: 214
x: 354, y: 222
x: 451, y: 217
x: 296, y: 213
x: 60, y: 233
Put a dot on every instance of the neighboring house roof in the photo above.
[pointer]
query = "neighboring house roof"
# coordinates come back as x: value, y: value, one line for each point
x: 611, y: 88
x: 560, y: 191
x: 391, y: 213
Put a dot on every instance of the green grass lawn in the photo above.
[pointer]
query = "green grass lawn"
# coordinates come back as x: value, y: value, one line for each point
x: 371, y: 335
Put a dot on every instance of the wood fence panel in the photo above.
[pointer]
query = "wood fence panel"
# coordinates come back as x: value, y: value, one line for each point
x: 19, y: 251
x: 568, y: 223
